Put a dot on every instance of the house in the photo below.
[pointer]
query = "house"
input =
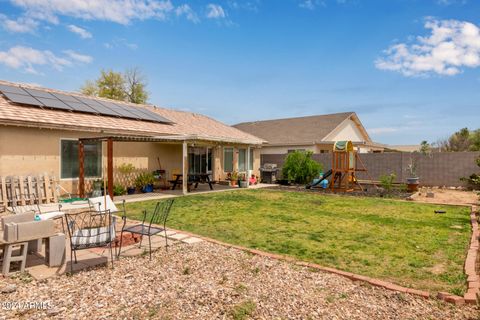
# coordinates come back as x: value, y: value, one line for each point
x: 313, y: 133
x: 43, y: 131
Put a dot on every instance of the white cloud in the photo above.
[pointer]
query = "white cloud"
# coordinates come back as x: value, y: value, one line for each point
x: 119, y: 11
x: 451, y: 2
x: 26, y: 58
x: 75, y: 56
x: 84, y: 34
x: 20, y: 25
x: 451, y: 46
x: 118, y: 42
x: 187, y: 11
x: 215, y: 11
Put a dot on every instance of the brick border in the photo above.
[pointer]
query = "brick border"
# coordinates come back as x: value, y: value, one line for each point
x: 473, y: 280
x: 472, y: 270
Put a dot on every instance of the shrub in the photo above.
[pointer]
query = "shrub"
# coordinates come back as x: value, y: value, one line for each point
x: 387, y: 180
x: 119, y: 190
x: 299, y: 167
x: 144, y: 179
x: 473, y: 181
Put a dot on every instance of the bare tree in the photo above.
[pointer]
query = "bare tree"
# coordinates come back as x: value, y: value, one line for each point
x: 135, y: 86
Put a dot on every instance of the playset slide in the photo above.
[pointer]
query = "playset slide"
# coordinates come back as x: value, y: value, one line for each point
x: 325, y: 176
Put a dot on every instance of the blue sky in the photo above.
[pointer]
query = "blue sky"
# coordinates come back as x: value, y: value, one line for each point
x: 409, y: 68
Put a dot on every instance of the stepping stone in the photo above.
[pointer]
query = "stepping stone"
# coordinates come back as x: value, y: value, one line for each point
x: 178, y: 236
x: 192, y: 240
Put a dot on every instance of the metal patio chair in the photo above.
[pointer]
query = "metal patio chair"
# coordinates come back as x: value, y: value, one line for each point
x: 155, y: 225
x: 90, y: 229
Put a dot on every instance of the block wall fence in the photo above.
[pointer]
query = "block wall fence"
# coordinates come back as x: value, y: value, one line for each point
x: 436, y: 169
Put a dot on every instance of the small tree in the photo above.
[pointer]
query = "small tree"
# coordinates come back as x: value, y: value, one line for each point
x: 387, y: 181
x: 299, y: 167
x: 128, y: 86
x: 473, y: 180
x: 425, y: 147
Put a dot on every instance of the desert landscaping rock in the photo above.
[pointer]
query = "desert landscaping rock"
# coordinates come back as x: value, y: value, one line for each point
x: 9, y: 288
x: 208, y: 281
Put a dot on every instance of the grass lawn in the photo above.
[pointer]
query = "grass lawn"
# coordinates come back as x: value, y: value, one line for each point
x: 402, y: 242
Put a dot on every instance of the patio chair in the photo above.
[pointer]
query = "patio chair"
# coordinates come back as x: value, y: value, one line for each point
x: 158, y: 217
x: 90, y: 229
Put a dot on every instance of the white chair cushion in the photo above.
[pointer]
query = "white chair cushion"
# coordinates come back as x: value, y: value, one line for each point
x: 94, y: 203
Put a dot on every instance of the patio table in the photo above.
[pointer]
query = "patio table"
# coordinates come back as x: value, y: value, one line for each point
x: 196, y: 178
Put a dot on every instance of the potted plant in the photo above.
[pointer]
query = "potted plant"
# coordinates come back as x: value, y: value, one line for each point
x: 145, y: 182
x: 413, y: 179
x: 242, y: 180
x: 233, y: 178
x: 126, y: 169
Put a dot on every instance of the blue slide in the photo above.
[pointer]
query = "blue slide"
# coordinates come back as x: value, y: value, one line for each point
x: 325, y: 176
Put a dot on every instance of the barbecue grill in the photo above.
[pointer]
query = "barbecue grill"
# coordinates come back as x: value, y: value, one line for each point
x: 268, y: 173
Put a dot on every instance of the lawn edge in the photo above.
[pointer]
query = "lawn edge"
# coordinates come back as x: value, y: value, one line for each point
x: 472, y: 296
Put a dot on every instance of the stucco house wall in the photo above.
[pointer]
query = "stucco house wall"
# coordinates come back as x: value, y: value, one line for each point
x: 34, y: 151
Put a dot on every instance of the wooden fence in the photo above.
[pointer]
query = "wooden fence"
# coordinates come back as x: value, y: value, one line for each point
x: 25, y: 189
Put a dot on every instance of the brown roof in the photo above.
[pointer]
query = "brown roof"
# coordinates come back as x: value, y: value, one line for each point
x: 297, y: 131
x: 184, y: 123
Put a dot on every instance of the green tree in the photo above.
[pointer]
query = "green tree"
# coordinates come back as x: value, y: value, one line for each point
x: 128, y: 86
x: 111, y: 85
x: 299, y: 167
x: 425, y: 147
x: 475, y: 140
x: 459, y: 141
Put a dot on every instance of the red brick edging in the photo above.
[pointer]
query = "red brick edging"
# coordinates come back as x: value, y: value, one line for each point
x: 473, y: 274
x: 473, y: 278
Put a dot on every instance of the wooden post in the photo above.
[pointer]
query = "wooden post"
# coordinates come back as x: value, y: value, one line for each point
x: 110, y: 166
x: 185, y: 168
x: 81, y: 170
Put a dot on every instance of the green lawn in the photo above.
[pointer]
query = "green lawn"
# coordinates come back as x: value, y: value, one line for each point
x: 402, y: 242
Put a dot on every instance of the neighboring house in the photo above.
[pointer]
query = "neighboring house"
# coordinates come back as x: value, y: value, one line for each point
x: 40, y: 131
x: 403, y: 148
x: 314, y: 133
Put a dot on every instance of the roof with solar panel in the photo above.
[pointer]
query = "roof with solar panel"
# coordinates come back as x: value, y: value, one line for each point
x: 24, y: 104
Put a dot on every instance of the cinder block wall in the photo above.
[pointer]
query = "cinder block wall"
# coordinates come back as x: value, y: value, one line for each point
x: 437, y: 169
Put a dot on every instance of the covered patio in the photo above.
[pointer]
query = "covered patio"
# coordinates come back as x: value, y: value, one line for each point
x: 205, y: 160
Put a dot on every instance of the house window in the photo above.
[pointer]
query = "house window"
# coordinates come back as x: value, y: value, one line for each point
x: 242, y: 160
x: 228, y: 159
x: 69, y: 164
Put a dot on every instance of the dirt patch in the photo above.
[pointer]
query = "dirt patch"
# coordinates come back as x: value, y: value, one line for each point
x: 446, y: 196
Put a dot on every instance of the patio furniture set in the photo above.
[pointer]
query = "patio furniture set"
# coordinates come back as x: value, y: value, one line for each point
x: 27, y: 228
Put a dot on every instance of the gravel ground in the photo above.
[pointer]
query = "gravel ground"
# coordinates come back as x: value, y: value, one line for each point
x: 209, y: 281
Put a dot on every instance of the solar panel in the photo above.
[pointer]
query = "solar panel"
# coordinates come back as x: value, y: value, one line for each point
x: 39, y: 93
x: 101, y: 109
x: 21, y: 98
x: 64, y: 97
x: 156, y: 117
x: 80, y: 107
x: 12, y: 89
x: 54, y: 103
x: 54, y: 100
x: 127, y: 112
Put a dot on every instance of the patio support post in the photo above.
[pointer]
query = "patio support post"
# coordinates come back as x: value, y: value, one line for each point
x: 110, y: 167
x: 248, y: 162
x: 81, y: 170
x: 185, y: 168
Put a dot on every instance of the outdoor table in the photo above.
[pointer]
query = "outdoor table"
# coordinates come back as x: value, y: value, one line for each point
x: 196, y: 178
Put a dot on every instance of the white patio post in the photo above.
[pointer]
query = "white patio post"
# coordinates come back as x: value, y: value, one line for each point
x: 185, y: 168
x: 248, y: 163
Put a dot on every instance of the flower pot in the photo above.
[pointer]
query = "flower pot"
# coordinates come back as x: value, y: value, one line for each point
x: 243, y: 184
x: 233, y: 183
x: 412, y: 184
x: 130, y: 190
x: 148, y: 188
